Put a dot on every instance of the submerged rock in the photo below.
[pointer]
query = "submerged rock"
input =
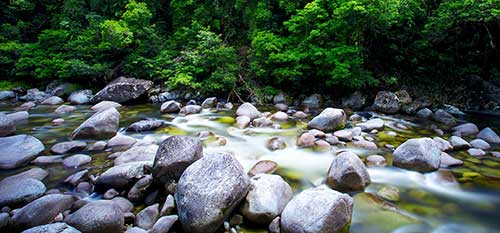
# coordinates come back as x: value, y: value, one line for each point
x: 420, y: 154
x: 208, y: 191
x: 386, y: 102
x: 97, y: 217
x: 19, y: 191
x: 7, y: 125
x: 41, y: 211
x: 328, y: 120
x: 18, y: 150
x: 347, y: 173
x: 99, y: 126
x: 123, y: 90
x: 489, y: 135
x: 317, y: 210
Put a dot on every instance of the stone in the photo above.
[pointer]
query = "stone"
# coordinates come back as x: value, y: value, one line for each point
x: 41, y: 211
x: 54, y: 100
x: 19, y: 116
x: 35, y: 95
x: 6, y: 95
x: 58, y: 227
x: 449, y: 161
x: 147, y: 217
x: 279, y: 116
x: 442, y: 144
x: 168, y: 206
x: 347, y: 173
x: 7, y: 125
x: 74, y: 179
x: 123, y: 90
x: 365, y: 144
x: 34, y: 173
x: 228, y: 106
x: 137, y: 191
x: 19, y: 191
x: 174, y: 155
x: 64, y: 109
x: 191, y: 109
x: 247, y: 109
x: 281, y: 107
x: 356, y: 101
x: 476, y: 152
x: 209, y: 102
x: 97, y: 146
x: 170, y: 106
x: 103, y: 105
x: 300, y: 115
x: 317, y: 209
x: 306, y: 140
x: 386, y: 102
x: 243, y: 121
x: 331, y: 139
x: 18, y: 150
x: 275, y: 143
x: 80, y: 97
x: 208, y: 191
x: 343, y: 135
x: 164, y: 224
x: 68, y: 147
x: 121, y: 140
x: 424, y: 113
x: 58, y: 121
x: 419, y: 154
x: 372, y: 124
x: 444, y: 117
x: 312, y: 102
x: 480, y: 144
x: 145, y: 125
x: 101, y: 125
x: 375, y: 160
x: 137, y: 154
x: 124, y: 204
x: 122, y: 176
x: 458, y: 143
x: 110, y: 194
x: 263, y: 167
x: 56, y: 88
x: 136, y: 230
x: 102, y: 216
x: 489, y: 136
x: 466, y: 129
x: 77, y: 160
x: 266, y: 199
x: 262, y: 122
x: 44, y: 160
x: 328, y: 120
x: 26, y: 106
x: 280, y: 98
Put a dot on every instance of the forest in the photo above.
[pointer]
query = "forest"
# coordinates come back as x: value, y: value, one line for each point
x: 251, y: 47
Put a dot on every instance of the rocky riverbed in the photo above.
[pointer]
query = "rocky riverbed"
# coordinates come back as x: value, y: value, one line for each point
x: 87, y: 163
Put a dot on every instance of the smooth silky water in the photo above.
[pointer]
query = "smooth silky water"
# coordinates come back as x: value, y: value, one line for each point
x: 460, y: 199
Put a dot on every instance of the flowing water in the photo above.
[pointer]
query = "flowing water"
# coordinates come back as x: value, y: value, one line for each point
x: 460, y: 199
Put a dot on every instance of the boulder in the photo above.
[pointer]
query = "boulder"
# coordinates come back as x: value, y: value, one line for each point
x: 168, y: 206
x: 343, y: 135
x: 101, y: 125
x: 6, y: 95
x: 480, y: 144
x: 97, y: 146
x: 386, y: 102
x: 7, y: 125
x: 375, y: 160
x: 317, y: 209
x: 56, y: 88
x: 280, y: 98
x: 174, y: 155
x: 419, y: 154
x: 476, y: 152
x: 97, y: 217
x: 489, y: 135
x: 53, y: 100
x: 449, y: 161
x: 356, y: 101
x: 306, y: 140
x: 145, y: 153
x: 147, y: 217
x: 170, y: 106
x: 263, y: 166
x: 191, y: 109
x: 68, y: 147
x: 77, y: 160
x: 243, y: 121
x: 312, y: 102
x: 279, y: 116
x: 18, y: 191
x: 208, y: 191
x: 80, y: 97
x: 121, y: 140
x: 444, y: 117
x: 45, y: 160
x: 138, y: 191
x: 266, y: 199
x: 164, y: 224
x: 103, y: 105
x: 458, y: 143
x: 64, y: 109
x: 34, y: 173
x: 328, y: 120
x: 281, y: 107
x: 123, y: 90
x: 347, y: 173
x: 424, y: 113
x: 209, y: 102
x: 124, y: 204
x: 58, y: 227
x: 372, y: 124
x: 247, y: 109
x: 41, y: 211
x: 35, y: 95
x: 19, y: 116
x: 145, y: 125
x: 18, y: 150
x: 262, y: 122
x: 442, y: 144
x: 467, y: 129
x: 300, y: 115
x: 122, y: 176
x: 26, y: 106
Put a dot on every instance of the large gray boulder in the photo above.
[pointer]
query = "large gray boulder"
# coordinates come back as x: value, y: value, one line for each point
x: 80, y: 97
x: 466, y: 129
x: 7, y: 125
x: 101, y: 125
x: 19, y: 191
x: 67, y: 147
x: 6, y: 95
x: 247, y: 109
x: 317, y: 209
x: 58, y: 227
x: 386, y: 102
x: 266, y: 199
x: 97, y: 217
x: 347, y: 173
x: 328, y: 120
x: 123, y: 90
x: 489, y: 135
x: 19, y: 116
x: 174, y: 155
x: 17, y: 151
x: 208, y: 191
x: 122, y: 176
x: 41, y: 211
x: 419, y: 154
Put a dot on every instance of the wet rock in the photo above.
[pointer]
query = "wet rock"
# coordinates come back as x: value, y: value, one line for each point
x: 164, y: 224
x: 424, y: 113
x: 100, y: 125
x: 375, y: 160
x: 58, y: 89
x: 168, y: 206
x: 274, y: 226
x: 137, y: 191
x: 191, y: 109
x: 317, y: 210
x: 7, y: 125
x: 372, y: 124
x: 147, y: 217
x: 419, y: 154
x: 300, y: 115
x: 480, y: 144
x: 6, y: 95
x: 18, y: 150
x: 174, y: 155
x: 365, y: 144
x: 442, y: 144
x: 77, y: 160
x: 243, y: 121
x: 263, y: 166
x: 137, y: 154
x: 386, y: 102
x: 247, y: 109
x: 279, y: 116
x: 275, y: 143
x: 280, y: 98
x: 19, y: 116
x: 495, y: 154
x: 54, y: 100
x: 343, y: 135
x: 347, y: 173
x: 97, y: 146
x: 68, y: 147
x: 124, y: 204
x: 122, y: 176
x: 390, y: 193
x: 64, y: 109
x: 35, y: 95
x: 209, y: 102
x: 467, y: 129
x: 266, y: 199
x: 77, y: 177
x: 328, y: 120
x: 80, y: 97
x: 170, y: 107
x: 19, y: 191
x: 262, y: 122
x: 476, y: 152
x: 85, y: 188
x: 444, y: 117
x: 331, y: 139
x: 322, y: 144
x: 4, y: 220
x: 136, y: 230
x: 281, y: 107
x: 306, y: 140
x: 97, y: 217
x: 26, y: 106
x: 312, y: 102
x: 121, y: 140
x: 41, y: 211
x: 123, y: 90
x: 452, y: 110
x: 44, y: 160
x: 208, y: 191
x: 110, y: 194
x: 228, y: 106
x: 34, y: 173
x: 448, y: 161
x: 145, y: 125
x: 356, y: 101
x: 458, y: 143
x: 103, y: 105
x: 489, y: 135
x: 58, y: 227
x: 191, y: 102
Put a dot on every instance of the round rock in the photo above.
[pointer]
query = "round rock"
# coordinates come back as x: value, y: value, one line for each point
x: 347, y: 173
x: 420, y: 154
